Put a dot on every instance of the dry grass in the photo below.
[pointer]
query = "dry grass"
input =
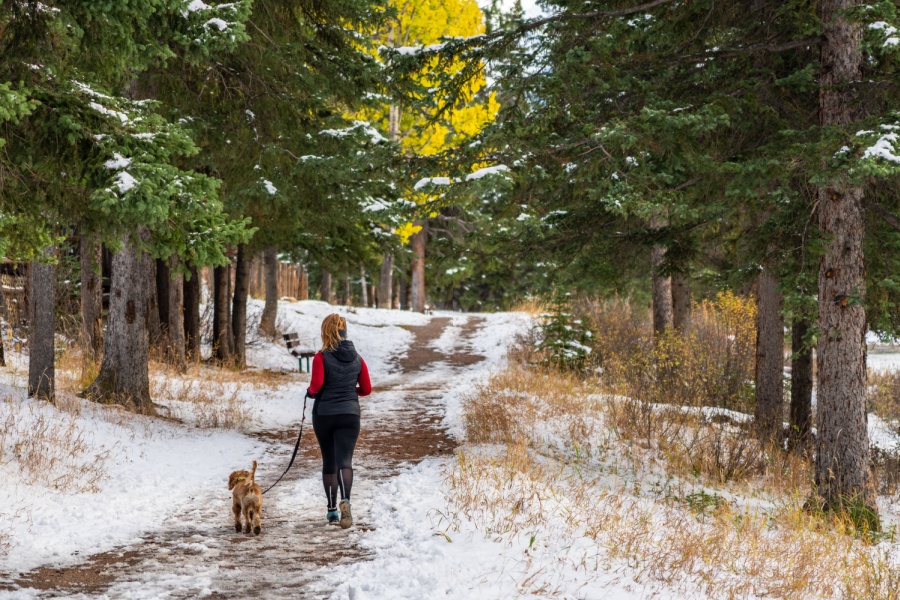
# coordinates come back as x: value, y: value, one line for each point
x: 49, y: 447
x: 643, y: 473
x: 204, y: 402
x: 672, y: 498
x: 884, y: 396
x: 531, y: 305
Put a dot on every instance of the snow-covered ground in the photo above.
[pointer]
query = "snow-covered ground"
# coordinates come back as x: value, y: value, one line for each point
x: 135, y: 469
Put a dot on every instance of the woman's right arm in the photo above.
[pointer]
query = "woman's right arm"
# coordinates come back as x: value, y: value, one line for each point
x: 318, y: 375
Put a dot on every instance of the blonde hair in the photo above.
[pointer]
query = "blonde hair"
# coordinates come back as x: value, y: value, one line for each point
x: 331, y: 332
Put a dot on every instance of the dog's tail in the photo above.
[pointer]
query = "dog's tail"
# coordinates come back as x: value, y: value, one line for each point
x: 253, y: 473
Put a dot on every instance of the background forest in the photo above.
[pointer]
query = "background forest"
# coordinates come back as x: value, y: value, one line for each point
x: 689, y: 198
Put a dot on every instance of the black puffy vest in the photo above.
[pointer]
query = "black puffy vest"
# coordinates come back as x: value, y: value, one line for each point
x: 338, y: 393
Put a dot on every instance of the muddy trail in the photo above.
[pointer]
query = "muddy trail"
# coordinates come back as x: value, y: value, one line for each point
x: 197, y: 553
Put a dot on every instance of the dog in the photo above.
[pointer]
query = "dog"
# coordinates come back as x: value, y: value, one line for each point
x: 246, y: 500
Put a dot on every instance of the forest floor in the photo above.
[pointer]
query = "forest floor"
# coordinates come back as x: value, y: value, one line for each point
x: 194, y: 551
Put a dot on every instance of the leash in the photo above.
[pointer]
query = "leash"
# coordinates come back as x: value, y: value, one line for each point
x: 296, y: 446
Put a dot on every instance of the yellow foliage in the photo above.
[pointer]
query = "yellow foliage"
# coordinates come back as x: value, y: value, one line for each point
x: 423, y: 23
x: 406, y: 231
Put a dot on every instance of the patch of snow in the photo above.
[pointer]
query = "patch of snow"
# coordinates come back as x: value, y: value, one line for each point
x: 117, y: 162
x: 486, y: 171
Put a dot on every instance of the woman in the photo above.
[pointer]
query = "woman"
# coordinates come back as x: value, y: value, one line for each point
x: 339, y: 378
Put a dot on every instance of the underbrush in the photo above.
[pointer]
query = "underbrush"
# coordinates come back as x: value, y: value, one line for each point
x: 884, y: 396
x: 712, y: 364
x: 655, y: 494
x: 647, y: 471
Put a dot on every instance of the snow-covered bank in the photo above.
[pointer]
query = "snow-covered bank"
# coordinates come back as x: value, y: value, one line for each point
x: 150, y: 468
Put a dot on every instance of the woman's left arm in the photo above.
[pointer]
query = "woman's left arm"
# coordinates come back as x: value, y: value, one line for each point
x: 363, y: 385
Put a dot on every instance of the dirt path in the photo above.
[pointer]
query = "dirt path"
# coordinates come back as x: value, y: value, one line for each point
x: 198, y: 554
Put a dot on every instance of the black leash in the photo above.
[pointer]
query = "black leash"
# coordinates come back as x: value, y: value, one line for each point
x: 296, y: 447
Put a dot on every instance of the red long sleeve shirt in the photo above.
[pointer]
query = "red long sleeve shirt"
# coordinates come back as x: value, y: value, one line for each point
x: 363, y: 385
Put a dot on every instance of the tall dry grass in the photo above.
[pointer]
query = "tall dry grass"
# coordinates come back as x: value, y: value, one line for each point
x: 647, y: 472
x: 49, y: 446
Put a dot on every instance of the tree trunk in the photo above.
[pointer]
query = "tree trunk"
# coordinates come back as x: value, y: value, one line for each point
x: 395, y: 297
x: 42, y: 329
x: 801, y: 386
x: 239, y: 307
x: 222, y: 349
x: 124, y: 377
x: 842, y: 444
x: 418, y: 269
x: 403, y: 293
x: 91, y: 297
x: 153, y: 324
x: 662, y: 291
x: 681, y: 303
x: 163, y: 277
x: 769, y: 412
x: 325, y: 287
x: 348, y: 291
x: 270, y: 310
x: 364, y: 290
x: 176, y: 316
x: 192, y: 287
x: 385, y: 281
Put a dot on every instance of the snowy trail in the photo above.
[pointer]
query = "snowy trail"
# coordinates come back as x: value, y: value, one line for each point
x: 195, y: 553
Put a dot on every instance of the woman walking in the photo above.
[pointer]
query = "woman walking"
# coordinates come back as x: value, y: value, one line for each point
x: 339, y: 378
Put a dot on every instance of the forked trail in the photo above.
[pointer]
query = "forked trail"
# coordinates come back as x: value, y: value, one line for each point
x: 197, y: 553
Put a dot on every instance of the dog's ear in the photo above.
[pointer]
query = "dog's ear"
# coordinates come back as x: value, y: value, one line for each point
x: 232, y: 480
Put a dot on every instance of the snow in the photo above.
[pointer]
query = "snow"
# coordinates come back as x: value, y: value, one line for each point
x: 217, y: 23
x: 196, y: 5
x: 432, y: 180
x: 109, y: 112
x: 125, y: 182
x: 117, y: 162
x: 270, y: 187
x: 883, y: 148
x: 486, y: 171
x: 145, y: 457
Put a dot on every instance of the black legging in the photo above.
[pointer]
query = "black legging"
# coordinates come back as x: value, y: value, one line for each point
x: 337, y: 435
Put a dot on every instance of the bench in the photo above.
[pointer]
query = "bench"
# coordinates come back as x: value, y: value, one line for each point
x: 299, y: 349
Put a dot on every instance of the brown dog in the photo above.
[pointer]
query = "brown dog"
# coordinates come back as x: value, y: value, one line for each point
x: 246, y: 500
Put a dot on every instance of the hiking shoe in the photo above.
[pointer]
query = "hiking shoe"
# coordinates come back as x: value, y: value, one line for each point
x: 346, y: 517
x: 333, y: 516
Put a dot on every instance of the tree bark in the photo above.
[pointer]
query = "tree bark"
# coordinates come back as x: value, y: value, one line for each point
x: 661, y: 284
x: 325, y: 287
x: 222, y: 349
x: 192, y: 286
x: 124, y: 377
x: 42, y: 330
x: 163, y: 277
x: 801, y: 386
x: 385, y: 281
x: 395, y: 297
x: 769, y: 412
x: 91, y: 297
x: 418, y: 242
x: 239, y: 307
x: 681, y: 303
x: 176, y: 316
x: 270, y: 310
x: 842, y: 444
x: 153, y: 325
x: 403, y: 293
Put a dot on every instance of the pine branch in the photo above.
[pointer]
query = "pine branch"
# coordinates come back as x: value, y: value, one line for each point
x: 891, y: 219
